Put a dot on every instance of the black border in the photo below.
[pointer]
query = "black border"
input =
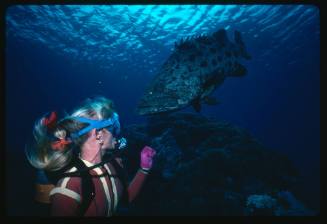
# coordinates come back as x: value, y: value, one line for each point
x: 217, y: 219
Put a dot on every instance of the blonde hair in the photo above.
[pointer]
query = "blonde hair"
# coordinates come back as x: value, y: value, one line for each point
x: 41, y: 154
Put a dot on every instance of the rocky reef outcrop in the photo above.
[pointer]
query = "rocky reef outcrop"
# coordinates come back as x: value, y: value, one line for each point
x: 209, y: 167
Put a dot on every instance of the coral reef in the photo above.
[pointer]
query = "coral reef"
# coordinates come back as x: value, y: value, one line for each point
x: 209, y: 167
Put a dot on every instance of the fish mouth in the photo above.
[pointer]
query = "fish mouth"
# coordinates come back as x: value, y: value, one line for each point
x: 157, y: 104
x: 149, y: 110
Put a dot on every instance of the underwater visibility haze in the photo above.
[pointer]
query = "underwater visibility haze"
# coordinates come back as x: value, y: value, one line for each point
x: 242, y: 82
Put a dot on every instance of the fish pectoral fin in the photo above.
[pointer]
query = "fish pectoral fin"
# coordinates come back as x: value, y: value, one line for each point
x: 196, y: 105
x: 238, y: 70
x: 210, y: 100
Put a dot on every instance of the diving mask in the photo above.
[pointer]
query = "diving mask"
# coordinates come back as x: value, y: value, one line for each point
x: 112, y: 124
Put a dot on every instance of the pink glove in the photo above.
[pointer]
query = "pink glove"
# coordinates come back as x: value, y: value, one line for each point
x: 147, y: 155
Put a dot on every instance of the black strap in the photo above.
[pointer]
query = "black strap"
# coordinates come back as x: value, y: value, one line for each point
x: 107, y: 158
x: 88, y: 189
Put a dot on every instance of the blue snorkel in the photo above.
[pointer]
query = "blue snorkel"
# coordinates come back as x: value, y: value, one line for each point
x: 112, y: 124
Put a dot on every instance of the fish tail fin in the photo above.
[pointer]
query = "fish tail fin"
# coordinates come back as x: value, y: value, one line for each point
x: 239, y: 42
x: 238, y: 70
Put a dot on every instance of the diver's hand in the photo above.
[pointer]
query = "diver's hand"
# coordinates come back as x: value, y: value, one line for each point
x: 147, y: 155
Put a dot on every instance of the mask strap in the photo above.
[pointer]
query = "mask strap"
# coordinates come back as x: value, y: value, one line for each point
x: 94, y: 124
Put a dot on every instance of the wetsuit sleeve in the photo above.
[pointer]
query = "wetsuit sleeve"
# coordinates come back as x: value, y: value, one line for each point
x: 66, y: 197
x: 136, y: 184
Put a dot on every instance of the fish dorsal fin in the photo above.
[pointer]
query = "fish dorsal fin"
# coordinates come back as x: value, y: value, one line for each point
x: 238, y: 38
x: 221, y: 37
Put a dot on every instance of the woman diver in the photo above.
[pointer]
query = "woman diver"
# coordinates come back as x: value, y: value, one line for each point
x: 73, y: 153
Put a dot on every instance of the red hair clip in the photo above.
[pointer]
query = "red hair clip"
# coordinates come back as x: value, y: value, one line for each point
x: 60, y: 144
x: 50, y: 121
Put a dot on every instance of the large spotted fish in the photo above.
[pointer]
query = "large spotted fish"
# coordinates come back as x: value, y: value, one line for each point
x: 193, y: 71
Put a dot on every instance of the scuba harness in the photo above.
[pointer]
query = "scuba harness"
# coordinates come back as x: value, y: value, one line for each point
x: 50, y: 178
x: 87, y: 186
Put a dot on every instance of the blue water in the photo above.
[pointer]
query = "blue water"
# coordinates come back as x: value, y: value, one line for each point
x: 58, y: 55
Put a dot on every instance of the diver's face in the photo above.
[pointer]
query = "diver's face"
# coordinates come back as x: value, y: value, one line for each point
x: 109, y: 141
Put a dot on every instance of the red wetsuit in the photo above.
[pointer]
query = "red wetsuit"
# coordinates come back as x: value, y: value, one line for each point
x: 66, y: 196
